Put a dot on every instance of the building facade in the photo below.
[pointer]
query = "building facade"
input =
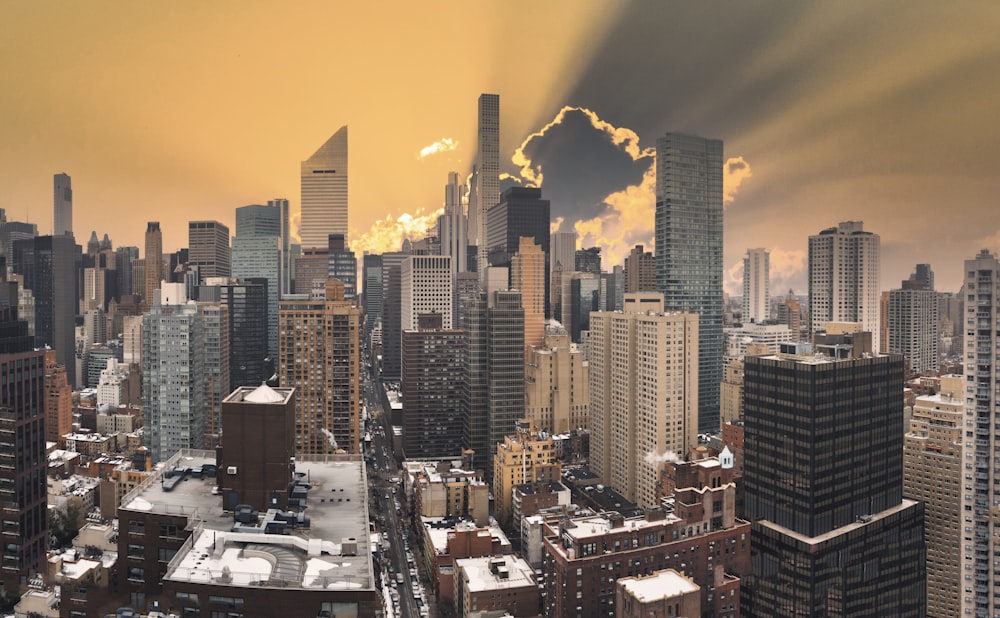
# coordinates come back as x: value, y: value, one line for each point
x: 912, y: 326
x: 643, y: 393
x: 557, y: 384
x: 486, y: 175
x: 426, y: 286
x: 640, y: 270
x: 528, y: 270
x: 689, y: 250
x: 324, y: 192
x: 756, y: 286
x: 208, y: 249
x: 62, y: 221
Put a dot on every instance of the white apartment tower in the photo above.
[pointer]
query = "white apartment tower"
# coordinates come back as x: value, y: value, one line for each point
x: 487, y: 175
x: 109, y: 388
x: 643, y: 393
x: 426, y: 287
x: 756, y: 282
x: 844, y: 278
x: 980, y: 542
x: 324, y: 192
x: 453, y: 224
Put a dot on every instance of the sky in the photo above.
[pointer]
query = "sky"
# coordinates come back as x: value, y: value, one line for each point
x: 830, y: 111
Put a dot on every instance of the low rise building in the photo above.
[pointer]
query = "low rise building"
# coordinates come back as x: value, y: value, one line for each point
x: 449, y: 539
x: 664, y: 594
x: 443, y: 489
x: 495, y: 583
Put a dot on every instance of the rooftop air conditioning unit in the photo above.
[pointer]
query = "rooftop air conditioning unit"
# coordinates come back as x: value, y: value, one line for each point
x: 231, y: 470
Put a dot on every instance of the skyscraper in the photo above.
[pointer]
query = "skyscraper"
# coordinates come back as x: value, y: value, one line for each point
x: 487, y: 174
x: 433, y: 374
x: 980, y: 583
x: 640, y: 271
x: 257, y: 255
x: 913, y: 324
x: 823, y: 480
x: 153, y: 261
x: 22, y: 450
x: 643, y: 393
x: 453, y: 225
x: 426, y: 286
x: 528, y: 275
x: 391, y: 312
x: 756, y: 282
x: 246, y: 302
x: 844, y: 278
x: 62, y: 205
x: 689, y: 250
x: 319, y: 355
x: 562, y: 259
x: 287, y: 265
x: 342, y: 265
x: 324, y: 192
x: 208, y: 249
x: 371, y: 269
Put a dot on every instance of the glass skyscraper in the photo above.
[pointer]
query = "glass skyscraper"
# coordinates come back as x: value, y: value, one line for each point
x: 689, y: 250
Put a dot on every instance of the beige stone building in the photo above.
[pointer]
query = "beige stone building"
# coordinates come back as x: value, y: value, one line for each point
x: 528, y: 456
x: 528, y: 276
x: 557, y: 384
x: 932, y: 474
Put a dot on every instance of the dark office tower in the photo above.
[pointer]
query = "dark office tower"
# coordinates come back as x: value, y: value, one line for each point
x: 521, y: 212
x: 249, y: 339
x: 125, y: 258
x: 640, y: 271
x: 392, y: 317
x: 588, y: 260
x: 257, y: 255
x: 208, y: 248
x: 287, y: 265
x: 372, y: 291
x: 62, y: 205
x: 433, y: 370
x: 49, y: 266
x: 22, y: 454
x: 581, y: 295
x: 689, y: 250
x: 823, y: 477
x: 153, y: 262
x: 494, y: 384
x: 342, y: 265
x: 912, y: 322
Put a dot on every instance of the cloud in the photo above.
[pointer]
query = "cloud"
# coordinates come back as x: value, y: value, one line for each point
x: 735, y: 172
x: 445, y: 144
x: 787, y: 269
x: 296, y: 221
x: 628, y: 220
x: 387, y: 234
x: 555, y: 224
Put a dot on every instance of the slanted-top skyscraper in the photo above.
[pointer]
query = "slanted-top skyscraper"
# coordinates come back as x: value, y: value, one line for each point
x: 487, y: 176
x: 689, y: 250
x: 844, y: 278
x: 62, y: 224
x: 324, y: 192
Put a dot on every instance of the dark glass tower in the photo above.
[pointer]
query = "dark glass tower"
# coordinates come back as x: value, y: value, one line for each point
x: 689, y: 250
x: 823, y: 474
x: 22, y: 453
x: 249, y: 341
x: 521, y: 212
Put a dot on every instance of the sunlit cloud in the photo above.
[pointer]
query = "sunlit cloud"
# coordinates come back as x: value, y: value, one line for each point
x: 512, y: 178
x: 555, y: 225
x: 734, y: 173
x: 445, y: 144
x: 625, y: 139
x: 628, y: 221
x: 296, y: 220
x: 387, y: 234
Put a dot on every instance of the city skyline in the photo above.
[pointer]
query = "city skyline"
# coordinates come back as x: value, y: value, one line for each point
x: 826, y: 112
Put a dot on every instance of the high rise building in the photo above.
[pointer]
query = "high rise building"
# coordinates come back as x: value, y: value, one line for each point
x: 640, y: 271
x: 433, y: 375
x: 980, y: 583
x: 588, y: 260
x: 319, y: 355
x: 823, y: 479
x: 493, y: 396
x: 556, y: 384
x: 524, y: 457
x: 312, y: 269
x: 324, y: 192
x: 62, y: 205
x: 790, y: 313
x: 528, y: 274
x: 581, y: 295
x: 174, y: 380
x: 426, y: 284
x: 50, y: 266
x: 208, y: 248
x: 932, y: 474
x: 58, y: 400
x: 153, y: 261
x: 24, y: 517
x: 487, y: 173
x: 125, y: 258
x: 287, y: 262
x: 257, y: 255
x: 643, y: 393
x: 562, y: 258
x: 689, y: 250
x: 844, y: 278
x: 756, y: 286
x: 342, y: 265
x: 249, y: 340
x: 521, y: 212
x: 392, y: 281
x: 453, y: 225
x: 372, y: 285
x: 912, y: 322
